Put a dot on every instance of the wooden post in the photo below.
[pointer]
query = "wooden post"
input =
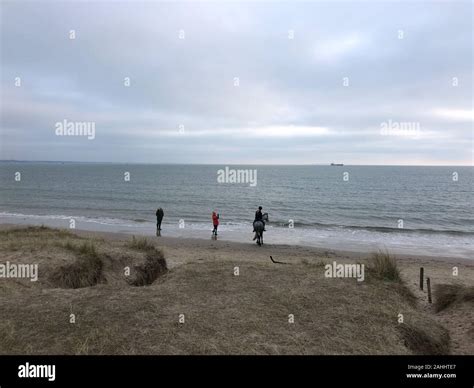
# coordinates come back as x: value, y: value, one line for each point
x: 421, y: 278
x: 428, y: 284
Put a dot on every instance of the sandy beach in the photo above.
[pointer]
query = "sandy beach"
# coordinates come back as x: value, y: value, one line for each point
x: 222, y: 297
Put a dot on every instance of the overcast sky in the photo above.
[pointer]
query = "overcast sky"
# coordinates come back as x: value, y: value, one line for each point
x: 250, y: 82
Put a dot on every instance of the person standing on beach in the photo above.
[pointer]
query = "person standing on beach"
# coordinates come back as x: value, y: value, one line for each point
x: 159, y: 218
x: 215, y: 222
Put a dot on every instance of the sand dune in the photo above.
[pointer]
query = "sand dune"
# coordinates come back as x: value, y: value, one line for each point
x: 217, y: 297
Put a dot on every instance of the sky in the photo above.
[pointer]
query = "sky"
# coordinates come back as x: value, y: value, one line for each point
x: 354, y: 82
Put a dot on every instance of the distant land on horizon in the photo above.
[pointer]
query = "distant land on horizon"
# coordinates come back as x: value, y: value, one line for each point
x: 232, y: 164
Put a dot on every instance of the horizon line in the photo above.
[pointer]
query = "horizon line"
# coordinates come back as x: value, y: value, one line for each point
x: 234, y: 164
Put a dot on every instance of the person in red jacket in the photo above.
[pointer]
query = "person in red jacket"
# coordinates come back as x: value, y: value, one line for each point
x: 215, y: 222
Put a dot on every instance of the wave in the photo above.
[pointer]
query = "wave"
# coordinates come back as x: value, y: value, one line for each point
x: 385, y: 229
x: 245, y: 224
x: 380, y: 229
x: 99, y: 220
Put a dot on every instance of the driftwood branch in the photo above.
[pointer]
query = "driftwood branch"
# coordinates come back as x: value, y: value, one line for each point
x: 277, y: 262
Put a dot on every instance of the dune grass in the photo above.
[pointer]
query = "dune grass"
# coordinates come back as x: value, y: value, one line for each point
x: 224, y: 313
x: 85, y: 271
x: 31, y: 231
x: 140, y: 243
x: 384, y: 266
x: 153, y: 267
x: 422, y: 340
x: 446, y: 295
x: 418, y: 337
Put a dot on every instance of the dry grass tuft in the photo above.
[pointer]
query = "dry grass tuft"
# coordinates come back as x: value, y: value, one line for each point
x: 33, y: 231
x: 140, y: 243
x: 384, y: 266
x: 86, y: 271
x: 446, y: 295
x: 154, y: 266
x: 423, y: 339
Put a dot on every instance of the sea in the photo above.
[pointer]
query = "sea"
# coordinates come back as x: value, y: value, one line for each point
x: 402, y: 209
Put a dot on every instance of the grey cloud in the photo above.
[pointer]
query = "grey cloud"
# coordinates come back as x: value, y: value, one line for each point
x: 190, y: 82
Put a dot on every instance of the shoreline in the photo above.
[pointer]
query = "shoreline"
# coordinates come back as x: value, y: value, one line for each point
x: 335, y: 239
x: 174, y: 242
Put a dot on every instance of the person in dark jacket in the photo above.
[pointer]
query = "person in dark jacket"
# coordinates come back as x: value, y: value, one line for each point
x: 159, y: 218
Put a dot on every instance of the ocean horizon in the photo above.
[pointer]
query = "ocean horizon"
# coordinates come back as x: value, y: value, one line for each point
x: 13, y: 161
